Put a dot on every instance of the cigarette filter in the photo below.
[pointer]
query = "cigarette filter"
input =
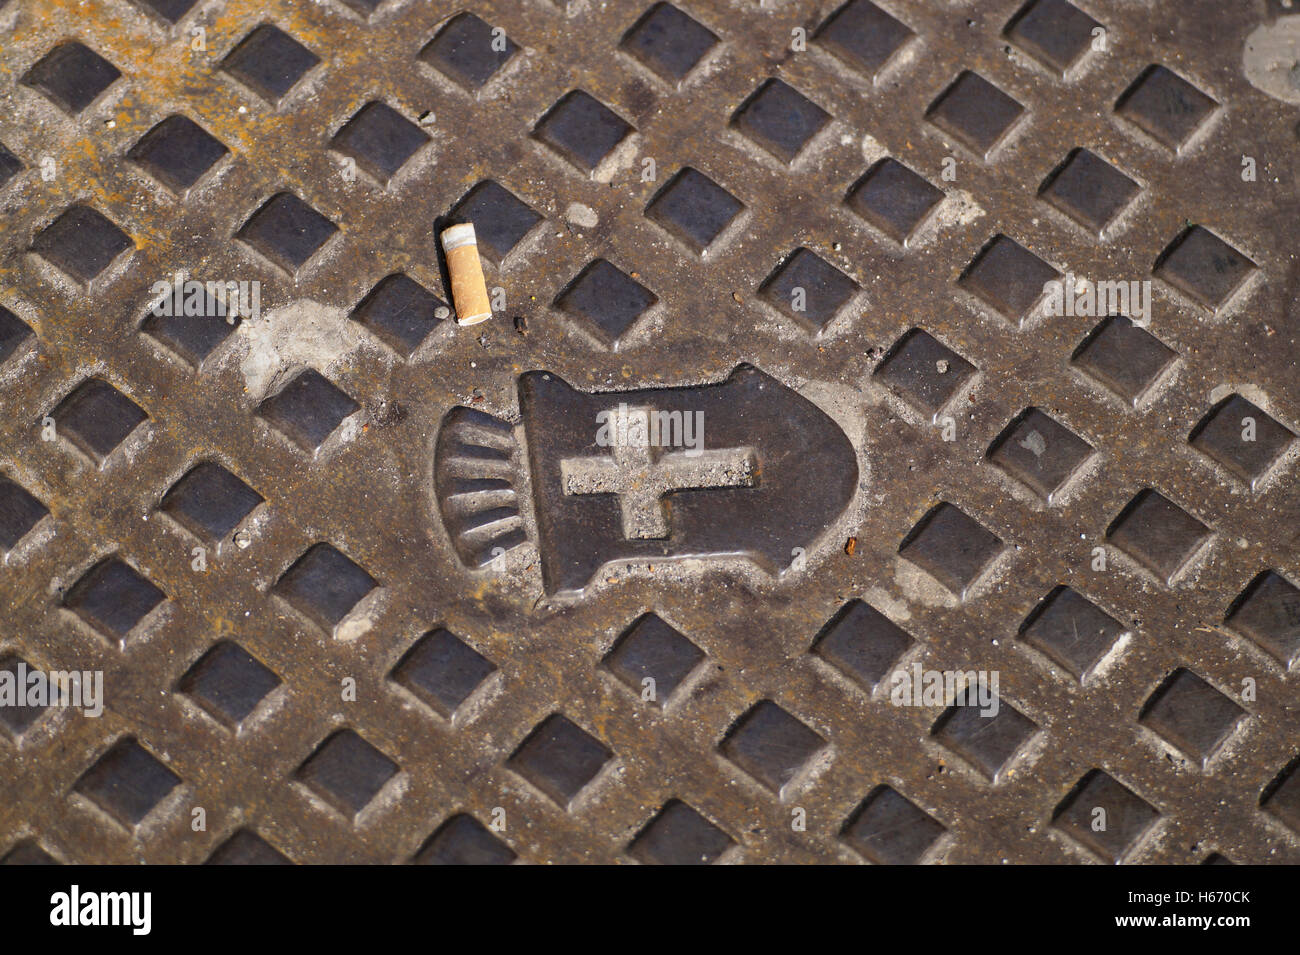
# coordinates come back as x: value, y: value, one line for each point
x: 468, y: 288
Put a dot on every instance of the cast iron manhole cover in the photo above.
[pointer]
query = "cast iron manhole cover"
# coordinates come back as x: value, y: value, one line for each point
x: 883, y: 447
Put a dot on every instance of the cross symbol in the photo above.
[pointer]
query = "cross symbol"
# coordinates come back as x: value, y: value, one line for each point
x: 643, y: 476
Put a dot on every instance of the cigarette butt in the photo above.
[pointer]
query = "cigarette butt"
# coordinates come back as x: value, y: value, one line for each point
x: 468, y: 288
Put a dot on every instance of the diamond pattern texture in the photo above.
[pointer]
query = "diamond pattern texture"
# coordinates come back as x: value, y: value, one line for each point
x: 1075, y: 501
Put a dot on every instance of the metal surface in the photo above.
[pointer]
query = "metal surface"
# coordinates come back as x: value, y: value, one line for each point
x: 828, y: 229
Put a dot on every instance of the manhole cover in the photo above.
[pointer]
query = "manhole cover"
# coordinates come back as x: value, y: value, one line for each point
x: 883, y: 447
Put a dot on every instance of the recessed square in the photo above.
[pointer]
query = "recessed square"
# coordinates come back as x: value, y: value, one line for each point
x: 808, y: 289
x: 1039, y: 452
x: 228, y: 682
x: 1268, y: 613
x: 82, y: 243
x: 989, y: 742
x: 269, y: 62
x: 28, y: 851
x: 20, y: 512
x: 194, y: 337
x: 1158, y: 534
x: 924, y: 371
x: 862, y: 643
x: 469, y: 51
x: 651, y: 650
x: 308, y: 409
x: 1124, y: 358
x: 1008, y: 277
x: 560, y: 758
x: 72, y: 75
x: 16, y: 717
x: 1281, y: 797
x: 380, y: 139
x: 1054, y: 32
x: 952, y: 547
x: 347, y: 772
x: 889, y: 829
x: 169, y: 10
x: 668, y: 42
x: 864, y: 36
x: 463, y: 840
x: 1192, y: 715
x: 1089, y: 190
x: 364, y: 8
x: 209, y: 501
x: 894, y: 199
x: 10, y: 165
x: 582, y: 129
x: 113, y: 597
x: 1242, y: 438
x: 606, y: 299
x: 975, y: 113
x: 96, y: 418
x: 177, y: 152
x: 501, y: 219
x: 694, y: 209
x: 1071, y: 631
x: 401, y: 312
x: 1104, y: 815
x: 678, y: 835
x: 246, y: 847
x: 14, y: 334
x: 771, y: 745
x: 324, y: 585
x: 1165, y: 106
x: 442, y: 670
x: 127, y: 782
x: 287, y: 231
x: 780, y: 119
x: 1204, y: 267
